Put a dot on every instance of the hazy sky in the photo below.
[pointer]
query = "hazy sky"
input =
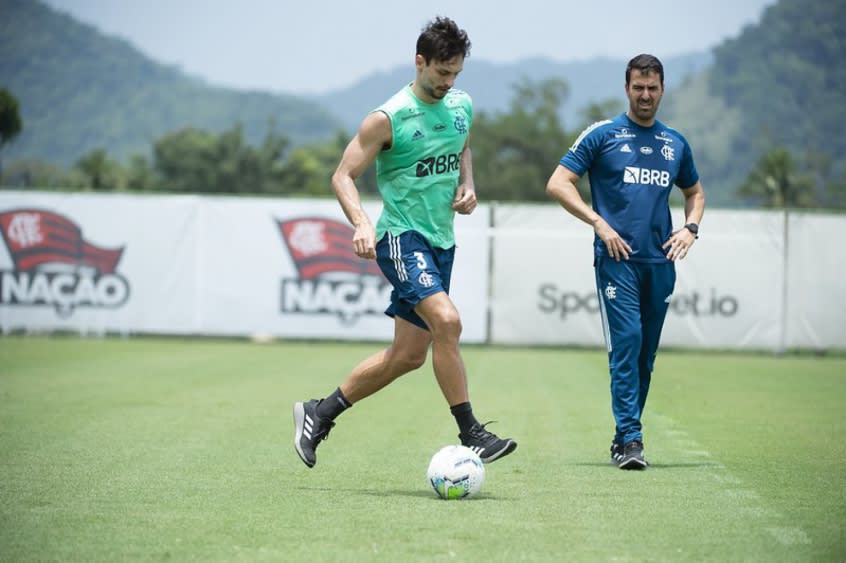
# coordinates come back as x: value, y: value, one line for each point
x: 314, y: 46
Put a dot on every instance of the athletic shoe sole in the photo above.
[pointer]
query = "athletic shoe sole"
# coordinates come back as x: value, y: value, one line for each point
x: 509, y: 447
x: 633, y: 463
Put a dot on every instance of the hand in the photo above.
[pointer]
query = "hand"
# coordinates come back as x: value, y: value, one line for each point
x: 364, y: 241
x: 679, y: 243
x: 614, y: 243
x: 464, y: 201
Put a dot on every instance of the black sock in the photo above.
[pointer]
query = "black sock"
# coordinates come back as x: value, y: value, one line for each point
x: 333, y: 405
x: 463, y: 414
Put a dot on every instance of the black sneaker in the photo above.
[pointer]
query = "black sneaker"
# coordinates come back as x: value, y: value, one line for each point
x: 633, y: 456
x: 487, y: 445
x: 309, y: 430
x: 616, y: 453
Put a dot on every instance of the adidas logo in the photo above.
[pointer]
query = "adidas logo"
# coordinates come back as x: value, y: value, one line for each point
x: 418, y: 134
x: 308, y: 426
x: 477, y: 450
x: 626, y: 148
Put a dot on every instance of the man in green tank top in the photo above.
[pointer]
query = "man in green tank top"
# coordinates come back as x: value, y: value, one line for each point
x: 420, y: 142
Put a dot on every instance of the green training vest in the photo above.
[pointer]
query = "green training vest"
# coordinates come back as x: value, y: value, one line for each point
x: 418, y: 175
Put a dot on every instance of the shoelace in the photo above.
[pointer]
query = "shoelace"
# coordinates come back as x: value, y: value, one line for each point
x: 325, y: 435
x: 479, y: 430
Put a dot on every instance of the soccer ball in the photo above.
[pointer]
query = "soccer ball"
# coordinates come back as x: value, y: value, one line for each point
x: 456, y: 472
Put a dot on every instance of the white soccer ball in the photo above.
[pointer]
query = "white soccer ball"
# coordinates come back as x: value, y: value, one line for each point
x: 456, y: 472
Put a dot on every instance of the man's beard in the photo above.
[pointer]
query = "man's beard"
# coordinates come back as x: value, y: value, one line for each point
x: 435, y: 93
x: 645, y: 113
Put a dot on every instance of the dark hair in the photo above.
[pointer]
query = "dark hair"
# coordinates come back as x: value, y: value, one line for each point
x: 442, y: 40
x: 645, y: 64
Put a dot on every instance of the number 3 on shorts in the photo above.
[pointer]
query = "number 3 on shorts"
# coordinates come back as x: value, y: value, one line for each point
x: 421, y: 260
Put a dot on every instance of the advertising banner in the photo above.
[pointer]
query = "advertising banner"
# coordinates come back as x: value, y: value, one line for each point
x: 729, y: 289
x: 97, y: 263
x: 230, y: 266
x: 728, y: 292
x: 542, y: 283
x: 816, y: 278
x: 284, y: 268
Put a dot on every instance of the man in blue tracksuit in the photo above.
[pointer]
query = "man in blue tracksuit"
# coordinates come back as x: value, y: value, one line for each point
x: 633, y: 162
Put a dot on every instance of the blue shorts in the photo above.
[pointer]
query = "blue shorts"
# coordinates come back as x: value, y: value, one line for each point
x: 415, y: 270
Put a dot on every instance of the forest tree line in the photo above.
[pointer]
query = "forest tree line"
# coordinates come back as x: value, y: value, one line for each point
x: 514, y: 152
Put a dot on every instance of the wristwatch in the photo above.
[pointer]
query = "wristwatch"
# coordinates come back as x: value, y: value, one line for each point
x: 693, y: 228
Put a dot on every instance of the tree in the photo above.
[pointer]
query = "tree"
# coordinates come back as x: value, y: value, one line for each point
x: 10, y: 117
x: 829, y: 189
x: 10, y: 120
x: 140, y: 175
x: 185, y: 161
x: 514, y: 153
x: 308, y: 170
x: 775, y: 182
x: 191, y: 160
x: 36, y: 174
x: 100, y: 173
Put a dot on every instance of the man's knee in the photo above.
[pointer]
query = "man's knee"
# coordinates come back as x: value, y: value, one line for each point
x: 409, y: 360
x: 446, y: 324
x: 627, y: 337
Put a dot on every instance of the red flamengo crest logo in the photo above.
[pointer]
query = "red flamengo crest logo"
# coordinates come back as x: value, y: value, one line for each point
x: 331, y: 278
x: 54, y: 265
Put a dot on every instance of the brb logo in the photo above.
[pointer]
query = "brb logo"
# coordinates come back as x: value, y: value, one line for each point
x: 55, y: 266
x: 438, y: 165
x: 332, y: 279
x: 646, y: 176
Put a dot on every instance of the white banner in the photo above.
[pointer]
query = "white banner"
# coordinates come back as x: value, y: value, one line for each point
x: 728, y: 292
x: 542, y: 283
x: 816, y: 300
x: 729, y: 289
x: 97, y: 263
x: 207, y: 265
x: 285, y: 267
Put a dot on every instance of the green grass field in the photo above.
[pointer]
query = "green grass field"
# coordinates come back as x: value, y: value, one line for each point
x: 177, y: 450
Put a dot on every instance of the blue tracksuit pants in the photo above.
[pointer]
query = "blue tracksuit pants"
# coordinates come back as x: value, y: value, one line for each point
x: 633, y: 301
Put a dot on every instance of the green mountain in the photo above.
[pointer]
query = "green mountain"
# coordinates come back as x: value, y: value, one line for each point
x: 80, y: 90
x: 781, y: 82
